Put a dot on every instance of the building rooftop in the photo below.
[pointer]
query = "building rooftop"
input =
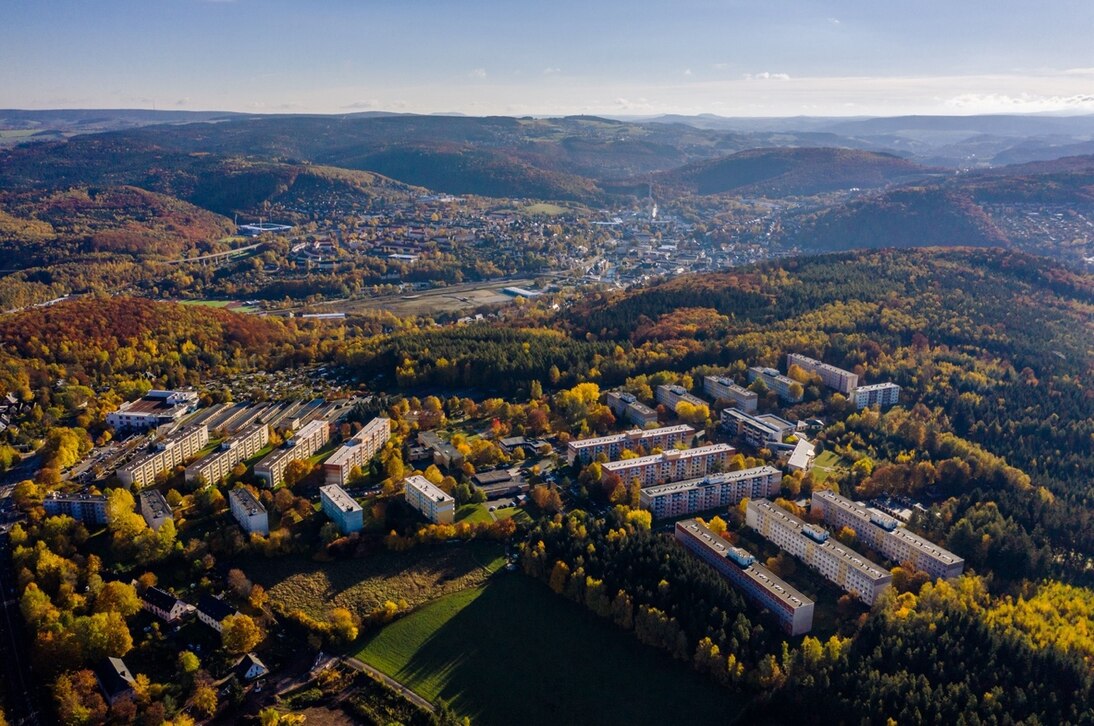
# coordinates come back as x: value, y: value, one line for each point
x: 427, y: 488
x: 673, y: 455
x: 817, y: 364
x: 711, y: 480
x: 337, y: 496
x: 756, y: 572
x: 634, y: 435
x: 247, y: 500
x: 847, y: 555
x: 877, y: 386
x: 159, y: 598
x: 154, y: 504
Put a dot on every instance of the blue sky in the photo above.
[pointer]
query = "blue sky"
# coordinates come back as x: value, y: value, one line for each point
x: 767, y: 57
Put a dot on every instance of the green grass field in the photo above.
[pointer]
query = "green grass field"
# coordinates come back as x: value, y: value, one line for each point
x: 473, y: 514
x: 514, y: 652
x: 362, y: 585
x: 826, y: 463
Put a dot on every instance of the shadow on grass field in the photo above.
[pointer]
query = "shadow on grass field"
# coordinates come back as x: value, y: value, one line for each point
x: 362, y: 585
x: 514, y: 652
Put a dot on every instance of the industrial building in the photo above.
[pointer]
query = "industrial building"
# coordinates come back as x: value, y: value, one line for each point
x: 777, y: 382
x: 218, y: 465
x: 721, y: 388
x: 714, y: 491
x: 172, y: 451
x: 666, y: 437
x: 812, y: 545
x: 305, y: 442
x: 882, y: 533
x: 877, y: 394
x: 843, y: 381
x: 154, y: 409
x: 672, y: 465
x: 248, y: 511
x: 356, y: 451
x: 342, y: 509
x: 427, y: 498
x: 759, y: 585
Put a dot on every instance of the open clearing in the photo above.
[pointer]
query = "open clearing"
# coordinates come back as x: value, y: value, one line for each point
x: 453, y: 299
x: 514, y: 652
x: 362, y: 585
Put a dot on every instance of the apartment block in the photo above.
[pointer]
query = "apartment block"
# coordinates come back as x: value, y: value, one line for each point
x: 673, y: 396
x: 721, y: 388
x: 342, y: 509
x: 248, y: 511
x: 154, y: 508
x: 625, y: 406
x: 666, y: 437
x: 356, y: 451
x: 305, y: 442
x: 812, y: 545
x: 154, y: 409
x: 714, y: 491
x: 843, y: 381
x: 877, y: 394
x: 880, y: 532
x: 776, y: 382
x: 83, y: 507
x: 172, y: 451
x: 218, y: 465
x: 758, y: 431
x: 434, y: 504
x: 759, y: 585
x: 672, y: 465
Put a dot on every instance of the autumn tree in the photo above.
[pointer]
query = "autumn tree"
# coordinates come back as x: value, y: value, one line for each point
x: 239, y: 633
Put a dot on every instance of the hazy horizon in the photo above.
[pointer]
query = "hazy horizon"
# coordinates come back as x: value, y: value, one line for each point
x: 615, y: 58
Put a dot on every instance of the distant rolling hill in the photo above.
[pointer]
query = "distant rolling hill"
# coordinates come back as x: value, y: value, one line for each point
x: 948, y: 211
x: 907, y: 217
x: 784, y: 172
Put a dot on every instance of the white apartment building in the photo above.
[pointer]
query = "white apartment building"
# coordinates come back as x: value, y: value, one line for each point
x: 427, y: 498
x: 843, y: 381
x: 216, y: 466
x: 882, y: 533
x: 672, y: 465
x: 356, y: 451
x: 714, y: 491
x: 666, y: 437
x: 877, y: 394
x: 342, y: 509
x: 672, y: 396
x: 248, y: 511
x: 759, y: 585
x: 172, y: 451
x: 776, y: 382
x: 721, y: 388
x: 811, y: 544
x: 305, y: 442
x: 629, y: 408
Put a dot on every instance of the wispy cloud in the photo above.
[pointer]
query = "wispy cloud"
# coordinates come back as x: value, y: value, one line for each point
x: 767, y: 76
x: 477, y: 73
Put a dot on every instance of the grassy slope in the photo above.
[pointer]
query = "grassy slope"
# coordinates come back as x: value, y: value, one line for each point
x: 363, y: 585
x: 513, y: 652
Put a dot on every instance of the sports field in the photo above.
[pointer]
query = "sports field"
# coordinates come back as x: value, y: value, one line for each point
x: 512, y: 651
